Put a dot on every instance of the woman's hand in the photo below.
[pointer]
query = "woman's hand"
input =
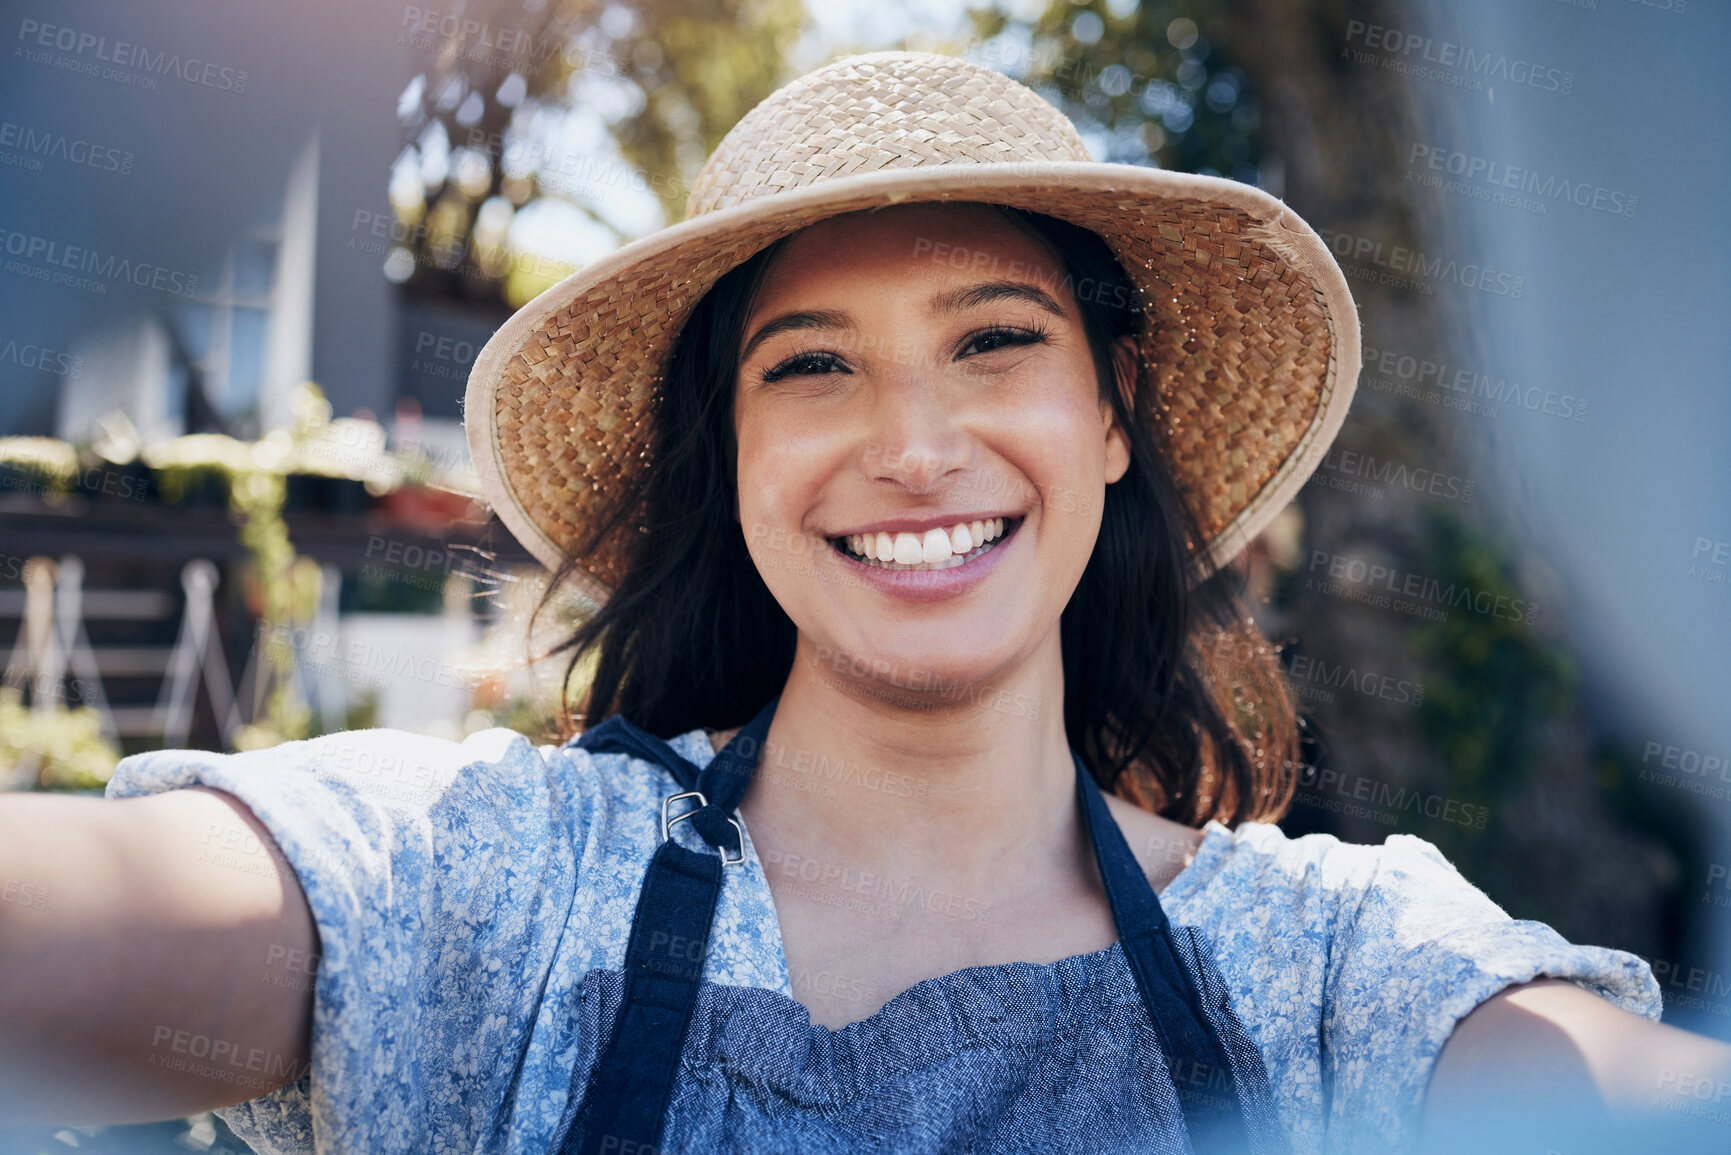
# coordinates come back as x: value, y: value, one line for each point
x: 1550, y: 1066
x: 157, y: 958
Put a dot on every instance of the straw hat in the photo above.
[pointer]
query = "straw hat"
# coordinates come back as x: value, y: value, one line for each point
x: 1251, y: 341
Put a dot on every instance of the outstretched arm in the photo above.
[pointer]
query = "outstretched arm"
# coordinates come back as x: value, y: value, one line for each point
x: 1547, y: 1062
x: 157, y: 958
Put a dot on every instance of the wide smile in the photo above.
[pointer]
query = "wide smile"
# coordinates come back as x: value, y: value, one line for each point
x: 869, y: 550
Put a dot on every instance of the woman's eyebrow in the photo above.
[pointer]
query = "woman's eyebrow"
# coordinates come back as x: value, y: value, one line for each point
x: 955, y: 300
x: 819, y: 319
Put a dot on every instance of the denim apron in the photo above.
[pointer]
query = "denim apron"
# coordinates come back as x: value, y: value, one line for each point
x: 1133, y: 1048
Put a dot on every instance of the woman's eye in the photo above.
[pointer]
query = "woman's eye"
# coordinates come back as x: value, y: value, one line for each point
x: 804, y: 365
x: 991, y: 339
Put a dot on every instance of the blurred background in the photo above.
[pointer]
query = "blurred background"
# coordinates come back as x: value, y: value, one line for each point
x: 248, y: 255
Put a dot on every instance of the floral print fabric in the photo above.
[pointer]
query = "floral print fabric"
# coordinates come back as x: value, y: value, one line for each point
x: 464, y: 891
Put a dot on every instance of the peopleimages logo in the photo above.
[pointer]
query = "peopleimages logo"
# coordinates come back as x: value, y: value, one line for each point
x: 455, y: 36
x: 1313, y: 677
x: 1458, y: 387
x: 90, y: 51
x: 34, y: 145
x: 1389, y: 587
x: 1456, y: 64
x: 1710, y: 560
x: 1495, y: 176
x: 1056, y: 281
x: 61, y: 264
x: 41, y: 358
x: 1340, y: 790
x: 1409, y: 268
x: 1659, y: 758
x: 1396, y: 474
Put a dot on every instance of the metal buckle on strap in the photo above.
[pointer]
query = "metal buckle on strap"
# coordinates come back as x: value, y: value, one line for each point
x: 667, y: 823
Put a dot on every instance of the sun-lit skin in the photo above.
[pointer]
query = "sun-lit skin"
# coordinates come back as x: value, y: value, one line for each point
x: 917, y: 415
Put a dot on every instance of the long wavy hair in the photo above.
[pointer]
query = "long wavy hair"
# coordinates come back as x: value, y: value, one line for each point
x: 1172, y: 697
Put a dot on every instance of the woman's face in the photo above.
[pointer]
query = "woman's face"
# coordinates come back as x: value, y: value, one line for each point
x: 905, y: 373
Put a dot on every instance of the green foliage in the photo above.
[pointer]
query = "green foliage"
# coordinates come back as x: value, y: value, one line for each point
x: 256, y: 503
x: 1495, y: 679
x: 531, y: 718
x: 667, y: 77
x: 54, y: 749
x: 1157, y: 86
x: 1493, y: 682
x: 1495, y: 686
x: 363, y: 711
x: 282, y: 586
x: 44, y: 464
x: 377, y: 591
x: 703, y: 64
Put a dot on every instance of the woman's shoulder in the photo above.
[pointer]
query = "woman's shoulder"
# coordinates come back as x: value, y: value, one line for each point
x: 360, y: 786
x: 381, y: 763
x: 1321, y: 882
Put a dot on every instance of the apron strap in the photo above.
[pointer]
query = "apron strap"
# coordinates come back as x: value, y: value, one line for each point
x: 618, y: 736
x: 1172, y: 998
x: 629, y: 1091
x: 719, y: 786
x: 633, y: 1080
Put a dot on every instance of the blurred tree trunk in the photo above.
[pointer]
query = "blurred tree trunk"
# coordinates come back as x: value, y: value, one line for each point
x: 1553, y: 849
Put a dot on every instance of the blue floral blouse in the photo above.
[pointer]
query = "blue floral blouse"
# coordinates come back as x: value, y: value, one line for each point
x: 462, y: 891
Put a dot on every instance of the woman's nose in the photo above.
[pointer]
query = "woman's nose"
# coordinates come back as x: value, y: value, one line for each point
x: 915, y: 438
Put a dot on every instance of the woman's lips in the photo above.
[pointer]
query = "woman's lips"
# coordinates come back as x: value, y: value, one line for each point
x: 933, y: 584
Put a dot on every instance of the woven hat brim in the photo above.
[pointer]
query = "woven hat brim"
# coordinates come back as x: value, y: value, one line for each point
x: 1252, y: 341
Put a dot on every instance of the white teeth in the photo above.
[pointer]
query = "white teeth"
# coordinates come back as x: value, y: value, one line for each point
x: 934, y: 549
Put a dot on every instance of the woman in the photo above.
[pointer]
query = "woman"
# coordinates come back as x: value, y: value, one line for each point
x: 922, y: 499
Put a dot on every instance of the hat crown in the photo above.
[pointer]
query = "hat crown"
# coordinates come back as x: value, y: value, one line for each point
x: 885, y: 110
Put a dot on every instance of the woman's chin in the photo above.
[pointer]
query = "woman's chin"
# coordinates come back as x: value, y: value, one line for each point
x: 969, y: 671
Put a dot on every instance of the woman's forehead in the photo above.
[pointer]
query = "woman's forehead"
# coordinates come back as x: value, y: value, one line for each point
x: 926, y: 242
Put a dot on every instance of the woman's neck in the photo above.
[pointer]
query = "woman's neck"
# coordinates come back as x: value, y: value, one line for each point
x: 967, y: 782
x: 902, y: 844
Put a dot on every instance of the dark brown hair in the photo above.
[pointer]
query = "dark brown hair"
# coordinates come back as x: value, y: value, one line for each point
x: 1172, y: 697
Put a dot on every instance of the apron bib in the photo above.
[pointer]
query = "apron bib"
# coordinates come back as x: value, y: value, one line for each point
x: 981, y: 1059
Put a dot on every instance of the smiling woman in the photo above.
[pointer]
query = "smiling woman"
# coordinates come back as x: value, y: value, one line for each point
x: 914, y: 808
x: 891, y: 383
